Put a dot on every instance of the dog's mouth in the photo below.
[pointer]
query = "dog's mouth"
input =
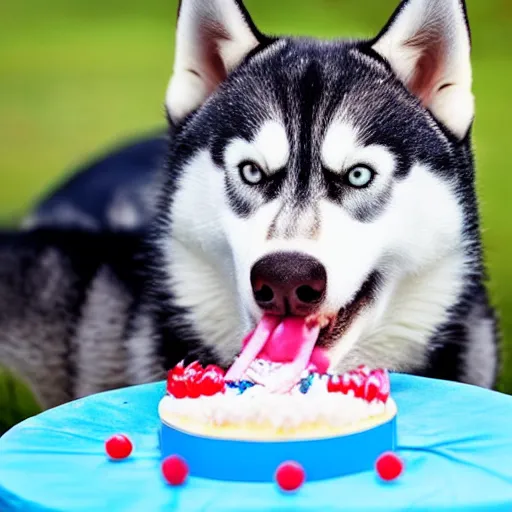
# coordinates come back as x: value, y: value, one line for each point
x: 299, y: 343
x: 338, y: 324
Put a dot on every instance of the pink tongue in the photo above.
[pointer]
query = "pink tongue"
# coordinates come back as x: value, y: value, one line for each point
x: 251, y: 346
x: 290, y: 341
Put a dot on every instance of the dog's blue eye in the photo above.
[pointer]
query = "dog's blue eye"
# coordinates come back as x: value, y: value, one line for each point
x: 251, y: 173
x: 360, y: 176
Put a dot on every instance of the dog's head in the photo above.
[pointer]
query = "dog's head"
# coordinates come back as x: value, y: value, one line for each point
x: 312, y: 177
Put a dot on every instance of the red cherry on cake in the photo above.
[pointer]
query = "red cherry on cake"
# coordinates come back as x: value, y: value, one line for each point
x: 389, y: 466
x: 290, y: 476
x: 180, y: 380
x: 385, y: 387
x: 177, y: 387
x: 118, y: 447
x: 192, y: 369
x: 353, y: 382
x: 334, y: 384
x: 193, y: 380
x: 211, y: 381
x: 176, y: 383
x: 350, y: 381
x: 371, y: 388
x: 175, y: 470
x: 382, y: 377
x: 178, y: 369
x: 193, y: 385
x: 191, y: 377
x: 216, y: 369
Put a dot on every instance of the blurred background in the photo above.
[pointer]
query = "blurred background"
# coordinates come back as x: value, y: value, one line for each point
x: 77, y: 78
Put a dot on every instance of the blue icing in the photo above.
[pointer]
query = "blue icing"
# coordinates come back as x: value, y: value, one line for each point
x: 241, y: 385
x: 244, y: 385
x: 305, y: 383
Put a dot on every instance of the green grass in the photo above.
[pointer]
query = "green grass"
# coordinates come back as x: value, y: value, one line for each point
x: 16, y: 401
x: 76, y: 77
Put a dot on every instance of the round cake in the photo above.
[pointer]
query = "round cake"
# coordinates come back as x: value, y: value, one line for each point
x: 278, y: 402
x: 317, y: 406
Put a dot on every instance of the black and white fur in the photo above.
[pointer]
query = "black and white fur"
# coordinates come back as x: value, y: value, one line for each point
x: 265, y: 133
x: 114, y: 192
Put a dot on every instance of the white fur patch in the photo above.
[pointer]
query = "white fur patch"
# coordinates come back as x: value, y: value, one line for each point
x: 341, y: 151
x: 272, y: 142
x: 144, y: 362
x: 339, y: 143
x: 410, y: 310
x: 480, y: 359
x: 100, y: 363
x: 270, y: 149
x: 200, y: 260
x: 122, y: 213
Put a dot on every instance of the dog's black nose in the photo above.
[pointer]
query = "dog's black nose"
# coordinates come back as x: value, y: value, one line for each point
x: 288, y: 283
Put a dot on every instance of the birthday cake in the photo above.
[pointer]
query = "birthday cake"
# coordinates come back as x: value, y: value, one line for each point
x: 277, y: 402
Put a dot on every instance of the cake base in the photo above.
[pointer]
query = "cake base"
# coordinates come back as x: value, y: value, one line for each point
x: 257, y: 460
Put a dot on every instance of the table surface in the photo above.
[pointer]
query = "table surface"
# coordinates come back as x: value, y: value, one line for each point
x: 456, y: 441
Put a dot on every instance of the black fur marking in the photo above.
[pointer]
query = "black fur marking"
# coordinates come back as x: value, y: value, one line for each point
x: 309, y: 95
x: 240, y: 206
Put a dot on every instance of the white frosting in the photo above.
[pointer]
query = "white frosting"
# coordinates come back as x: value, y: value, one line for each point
x: 256, y: 406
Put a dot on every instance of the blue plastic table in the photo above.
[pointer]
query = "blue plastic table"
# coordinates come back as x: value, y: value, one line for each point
x: 456, y: 441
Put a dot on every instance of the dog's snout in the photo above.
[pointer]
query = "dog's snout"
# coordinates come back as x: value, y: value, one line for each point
x: 288, y: 283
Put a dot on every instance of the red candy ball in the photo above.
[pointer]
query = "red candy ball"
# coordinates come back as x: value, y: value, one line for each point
x: 118, y: 447
x: 290, y: 476
x: 389, y: 466
x: 175, y: 470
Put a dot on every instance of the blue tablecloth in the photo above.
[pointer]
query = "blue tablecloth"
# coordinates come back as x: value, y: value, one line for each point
x: 456, y: 441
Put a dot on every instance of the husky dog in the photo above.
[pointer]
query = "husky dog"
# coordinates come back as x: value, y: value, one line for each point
x: 304, y: 177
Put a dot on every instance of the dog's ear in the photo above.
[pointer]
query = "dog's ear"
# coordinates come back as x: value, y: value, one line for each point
x: 212, y: 38
x: 428, y: 45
